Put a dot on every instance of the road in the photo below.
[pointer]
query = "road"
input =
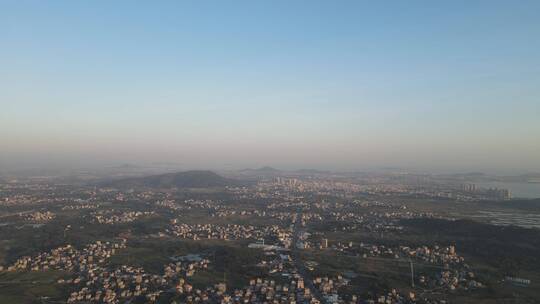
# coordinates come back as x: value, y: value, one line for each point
x: 302, y: 270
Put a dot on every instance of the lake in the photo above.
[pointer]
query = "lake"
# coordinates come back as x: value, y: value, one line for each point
x: 518, y: 190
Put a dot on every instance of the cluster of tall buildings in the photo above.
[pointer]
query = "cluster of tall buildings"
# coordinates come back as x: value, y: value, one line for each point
x: 489, y: 193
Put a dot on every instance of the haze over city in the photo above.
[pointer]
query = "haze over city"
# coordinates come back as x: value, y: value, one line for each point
x: 451, y: 86
x: 269, y: 152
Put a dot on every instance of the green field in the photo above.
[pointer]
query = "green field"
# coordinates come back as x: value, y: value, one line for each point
x: 29, y: 287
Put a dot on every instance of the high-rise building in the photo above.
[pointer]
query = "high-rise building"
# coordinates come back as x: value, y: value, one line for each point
x: 325, y: 243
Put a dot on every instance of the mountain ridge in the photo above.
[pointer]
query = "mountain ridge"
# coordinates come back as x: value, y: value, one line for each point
x: 184, y: 179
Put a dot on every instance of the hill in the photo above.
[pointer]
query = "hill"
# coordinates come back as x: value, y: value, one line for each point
x: 187, y: 179
x: 263, y: 171
x: 266, y: 169
x: 311, y: 171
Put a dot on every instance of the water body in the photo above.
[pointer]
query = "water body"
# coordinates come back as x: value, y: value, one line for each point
x: 518, y: 190
x: 522, y: 219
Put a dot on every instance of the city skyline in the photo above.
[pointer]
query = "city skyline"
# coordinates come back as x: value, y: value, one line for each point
x: 305, y: 84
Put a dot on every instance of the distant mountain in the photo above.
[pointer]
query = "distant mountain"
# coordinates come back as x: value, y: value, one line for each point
x: 262, y: 170
x: 311, y: 171
x: 187, y: 179
x: 266, y: 169
x: 269, y: 171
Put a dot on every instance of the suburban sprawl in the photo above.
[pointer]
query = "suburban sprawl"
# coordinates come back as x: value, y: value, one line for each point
x: 266, y: 236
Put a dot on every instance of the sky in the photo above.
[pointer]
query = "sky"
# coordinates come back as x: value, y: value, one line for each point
x: 341, y: 85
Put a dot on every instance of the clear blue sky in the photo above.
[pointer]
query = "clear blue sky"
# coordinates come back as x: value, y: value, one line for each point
x: 451, y: 85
